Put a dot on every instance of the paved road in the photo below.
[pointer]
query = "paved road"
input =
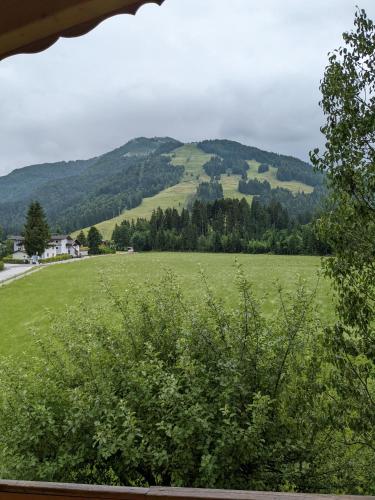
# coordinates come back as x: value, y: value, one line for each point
x: 13, y: 271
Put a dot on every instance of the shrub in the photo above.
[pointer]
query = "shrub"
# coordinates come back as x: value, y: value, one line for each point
x: 10, y: 260
x: 104, y: 250
x: 255, y: 246
x: 58, y: 258
x: 170, y: 392
x: 1, y: 265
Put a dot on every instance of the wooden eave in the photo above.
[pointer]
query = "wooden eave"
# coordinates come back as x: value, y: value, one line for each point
x: 28, y: 26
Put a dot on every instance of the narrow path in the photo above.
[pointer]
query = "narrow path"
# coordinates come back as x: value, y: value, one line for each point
x: 12, y: 271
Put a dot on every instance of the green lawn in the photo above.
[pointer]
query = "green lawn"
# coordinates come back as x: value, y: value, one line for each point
x: 192, y: 158
x: 25, y: 304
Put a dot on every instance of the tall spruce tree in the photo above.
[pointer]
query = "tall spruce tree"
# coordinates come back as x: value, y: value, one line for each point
x: 36, y: 231
x: 82, y: 239
x: 94, y: 239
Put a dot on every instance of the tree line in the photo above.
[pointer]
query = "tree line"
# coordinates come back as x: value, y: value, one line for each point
x: 303, y: 174
x: 226, y: 225
x: 253, y: 186
x: 289, y: 168
x: 217, y: 166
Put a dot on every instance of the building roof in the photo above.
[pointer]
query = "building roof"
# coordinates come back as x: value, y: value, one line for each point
x: 54, y: 237
x: 60, y: 237
x: 16, y: 238
x: 28, y: 26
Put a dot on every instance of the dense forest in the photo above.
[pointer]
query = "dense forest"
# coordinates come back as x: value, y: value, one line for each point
x: 300, y: 206
x: 78, y: 194
x: 225, y: 225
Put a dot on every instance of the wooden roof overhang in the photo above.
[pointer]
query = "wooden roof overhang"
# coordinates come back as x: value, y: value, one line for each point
x: 28, y: 26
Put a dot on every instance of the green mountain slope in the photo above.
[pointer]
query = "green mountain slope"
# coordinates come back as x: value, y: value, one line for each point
x: 134, y: 179
x: 85, y: 192
x: 193, y: 159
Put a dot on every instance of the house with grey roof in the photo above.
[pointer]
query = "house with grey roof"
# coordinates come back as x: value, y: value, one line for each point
x: 59, y: 244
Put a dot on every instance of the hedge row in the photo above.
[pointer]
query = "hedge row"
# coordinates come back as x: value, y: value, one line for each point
x: 10, y: 260
x: 58, y: 258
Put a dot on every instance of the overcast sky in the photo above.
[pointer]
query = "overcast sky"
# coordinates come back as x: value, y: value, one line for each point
x: 246, y: 70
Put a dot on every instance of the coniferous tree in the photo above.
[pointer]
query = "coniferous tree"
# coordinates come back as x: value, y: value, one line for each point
x: 94, y: 239
x: 82, y: 239
x: 36, y: 232
x: 225, y: 225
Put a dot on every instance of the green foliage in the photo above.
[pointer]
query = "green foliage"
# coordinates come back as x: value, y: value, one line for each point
x: 94, y: 240
x: 1, y: 265
x: 209, y: 191
x: 36, y: 231
x: 221, y: 226
x: 106, y: 250
x: 217, y: 166
x: 82, y: 239
x: 176, y: 393
x: 79, y: 194
x: 348, y: 102
x: 57, y: 258
x: 263, y: 167
x: 79, y: 281
x: 254, y: 187
x: 6, y: 248
x: 303, y: 174
x: 10, y: 260
x: 304, y: 207
x: 289, y: 168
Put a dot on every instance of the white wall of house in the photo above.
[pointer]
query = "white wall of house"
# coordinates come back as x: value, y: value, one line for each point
x: 56, y: 247
x: 18, y: 246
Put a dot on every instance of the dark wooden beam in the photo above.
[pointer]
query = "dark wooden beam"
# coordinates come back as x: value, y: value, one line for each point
x: 28, y: 26
x: 26, y: 490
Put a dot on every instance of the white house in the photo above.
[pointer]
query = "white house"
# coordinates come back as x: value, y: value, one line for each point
x: 59, y: 244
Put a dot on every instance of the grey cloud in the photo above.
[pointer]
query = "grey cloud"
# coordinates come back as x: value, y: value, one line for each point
x: 246, y: 70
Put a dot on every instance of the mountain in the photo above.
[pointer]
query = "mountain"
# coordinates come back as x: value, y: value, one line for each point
x: 132, y: 179
x: 84, y: 192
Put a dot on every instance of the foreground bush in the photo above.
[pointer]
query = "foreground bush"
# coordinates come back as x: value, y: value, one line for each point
x: 168, y: 392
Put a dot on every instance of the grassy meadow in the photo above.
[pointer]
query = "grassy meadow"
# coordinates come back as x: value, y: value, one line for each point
x: 177, y: 196
x: 26, y: 305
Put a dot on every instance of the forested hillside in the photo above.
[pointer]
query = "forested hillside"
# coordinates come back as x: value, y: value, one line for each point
x: 75, y: 194
x: 289, y: 168
x: 81, y: 193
